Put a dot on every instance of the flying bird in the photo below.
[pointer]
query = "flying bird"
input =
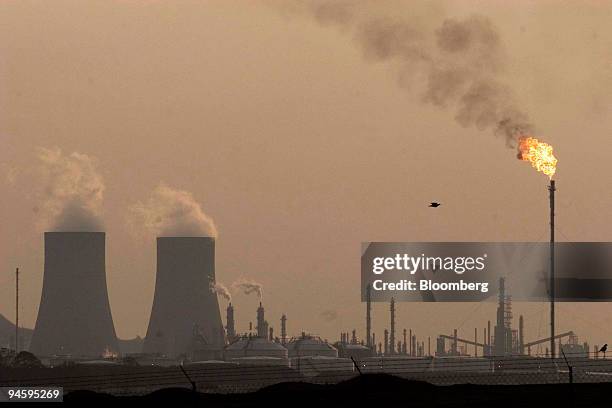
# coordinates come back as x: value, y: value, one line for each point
x: 433, y: 204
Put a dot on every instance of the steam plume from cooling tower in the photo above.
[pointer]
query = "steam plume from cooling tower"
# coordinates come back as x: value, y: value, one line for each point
x: 460, y: 61
x: 72, y: 191
x: 248, y: 286
x: 221, y: 290
x: 172, y: 212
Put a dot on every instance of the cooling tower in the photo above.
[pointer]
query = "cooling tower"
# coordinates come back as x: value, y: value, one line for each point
x: 184, y: 306
x: 74, y: 316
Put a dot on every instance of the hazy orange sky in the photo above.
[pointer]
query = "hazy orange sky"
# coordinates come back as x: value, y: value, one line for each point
x: 298, y: 147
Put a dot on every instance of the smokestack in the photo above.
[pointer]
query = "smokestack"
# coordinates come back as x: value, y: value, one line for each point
x: 231, y: 328
x: 261, y: 322
x: 283, y: 329
x: 552, y: 188
x: 185, y: 268
x: 484, y: 342
x: 392, y: 338
x: 521, y: 335
x: 386, y: 342
x: 369, y: 316
x: 16, y: 311
x: 410, y: 346
x: 500, y: 347
x: 74, y: 316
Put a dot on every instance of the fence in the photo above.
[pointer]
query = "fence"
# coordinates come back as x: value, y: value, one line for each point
x: 234, y: 378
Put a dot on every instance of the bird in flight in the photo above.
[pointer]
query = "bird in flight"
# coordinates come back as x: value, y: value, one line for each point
x: 433, y: 204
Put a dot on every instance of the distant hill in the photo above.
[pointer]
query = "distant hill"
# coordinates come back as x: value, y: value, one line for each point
x: 7, y: 334
x: 7, y: 338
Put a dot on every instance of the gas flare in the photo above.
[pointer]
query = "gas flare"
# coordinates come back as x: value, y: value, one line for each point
x: 539, y: 154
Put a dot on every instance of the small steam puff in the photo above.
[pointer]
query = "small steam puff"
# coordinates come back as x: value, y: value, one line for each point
x: 460, y: 62
x: 221, y: 290
x: 329, y: 315
x: 248, y: 286
x: 72, y: 191
x: 171, y: 212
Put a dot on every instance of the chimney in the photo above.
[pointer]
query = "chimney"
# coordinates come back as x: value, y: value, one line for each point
x: 231, y: 329
x: 386, y: 341
x: 369, y: 316
x: 74, y: 315
x: 392, y: 338
x: 411, y: 351
x: 521, y: 335
x: 261, y: 322
x: 283, y: 329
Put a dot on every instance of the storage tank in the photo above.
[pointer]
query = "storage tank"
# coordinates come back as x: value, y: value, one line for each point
x: 307, y: 345
x: 250, y: 346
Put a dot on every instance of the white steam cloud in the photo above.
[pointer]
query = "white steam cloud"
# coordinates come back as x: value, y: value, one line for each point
x: 248, y: 286
x: 72, y: 191
x: 221, y: 290
x: 172, y: 212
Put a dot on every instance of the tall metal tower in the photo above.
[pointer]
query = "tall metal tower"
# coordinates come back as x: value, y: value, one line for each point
x: 16, y: 311
x: 392, y: 336
x: 552, y: 190
x: 369, y: 315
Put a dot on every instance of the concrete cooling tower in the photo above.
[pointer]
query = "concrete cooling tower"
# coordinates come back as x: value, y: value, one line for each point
x: 185, y: 314
x: 74, y: 316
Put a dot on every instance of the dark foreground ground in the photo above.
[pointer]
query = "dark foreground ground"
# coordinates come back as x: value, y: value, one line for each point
x: 375, y: 390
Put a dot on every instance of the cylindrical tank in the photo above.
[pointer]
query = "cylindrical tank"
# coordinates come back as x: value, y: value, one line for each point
x: 255, y: 347
x: 184, y: 306
x: 74, y: 316
x: 307, y: 345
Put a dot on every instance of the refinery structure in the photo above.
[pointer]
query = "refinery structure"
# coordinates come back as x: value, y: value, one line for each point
x: 75, y: 323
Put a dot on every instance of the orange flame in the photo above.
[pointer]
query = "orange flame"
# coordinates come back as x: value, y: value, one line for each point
x: 539, y: 154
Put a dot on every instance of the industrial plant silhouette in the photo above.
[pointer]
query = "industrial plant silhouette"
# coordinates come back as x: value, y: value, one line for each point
x: 187, y: 345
